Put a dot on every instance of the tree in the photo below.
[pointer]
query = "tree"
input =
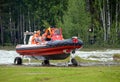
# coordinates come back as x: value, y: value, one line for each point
x: 18, y: 16
x: 76, y: 20
x: 105, y: 13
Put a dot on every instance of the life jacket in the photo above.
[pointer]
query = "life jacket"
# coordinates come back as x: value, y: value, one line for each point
x: 36, y: 39
x: 33, y: 39
x: 48, y: 33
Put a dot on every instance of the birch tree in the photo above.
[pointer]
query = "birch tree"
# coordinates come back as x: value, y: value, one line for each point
x: 108, y: 20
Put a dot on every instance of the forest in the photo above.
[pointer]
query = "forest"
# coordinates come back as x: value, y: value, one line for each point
x: 96, y: 22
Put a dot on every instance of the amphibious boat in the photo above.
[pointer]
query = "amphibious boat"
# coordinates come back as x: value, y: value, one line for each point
x: 55, y: 49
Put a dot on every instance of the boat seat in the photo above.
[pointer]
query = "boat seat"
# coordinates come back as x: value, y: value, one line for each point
x: 30, y: 40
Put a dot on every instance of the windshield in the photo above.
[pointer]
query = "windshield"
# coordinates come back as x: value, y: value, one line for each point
x: 57, y: 32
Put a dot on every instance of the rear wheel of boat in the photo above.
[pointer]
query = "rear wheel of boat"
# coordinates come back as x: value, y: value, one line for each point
x: 18, y: 61
x: 74, y: 62
x: 46, y: 62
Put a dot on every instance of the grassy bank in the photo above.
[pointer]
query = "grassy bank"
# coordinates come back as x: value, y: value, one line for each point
x: 7, y: 47
x: 59, y: 74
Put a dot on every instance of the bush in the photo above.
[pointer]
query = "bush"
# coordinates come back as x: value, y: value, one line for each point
x: 116, y: 57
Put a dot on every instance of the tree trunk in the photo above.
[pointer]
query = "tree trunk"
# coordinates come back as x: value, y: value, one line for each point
x: 119, y: 14
x: 1, y: 29
x: 21, y: 33
x: 23, y: 23
x: 14, y: 34
x: 10, y: 25
x: 108, y: 20
x: 29, y: 23
x: 102, y: 9
x: 18, y: 30
x: 116, y: 23
x: 34, y: 23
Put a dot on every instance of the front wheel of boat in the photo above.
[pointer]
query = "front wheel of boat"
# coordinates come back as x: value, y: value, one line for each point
x: 18, y: 61
x: 74, y: 62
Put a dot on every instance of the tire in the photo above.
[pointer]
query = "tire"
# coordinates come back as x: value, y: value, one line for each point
x: 74, y: 62
x: 46, y: 62
x: 18, y: 61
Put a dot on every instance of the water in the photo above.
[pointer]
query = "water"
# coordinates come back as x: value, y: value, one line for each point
x: 99, y: 55
x: 7, y: 57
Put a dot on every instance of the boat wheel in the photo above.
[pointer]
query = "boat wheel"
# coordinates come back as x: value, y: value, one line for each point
x: 74, y: 62
x: 18, y: 61
x: 46, y: 62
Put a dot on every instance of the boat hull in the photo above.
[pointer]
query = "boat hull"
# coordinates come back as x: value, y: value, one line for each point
x: 52, y: 50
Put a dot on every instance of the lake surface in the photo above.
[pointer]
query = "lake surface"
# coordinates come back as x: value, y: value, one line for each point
x: 7, y: 57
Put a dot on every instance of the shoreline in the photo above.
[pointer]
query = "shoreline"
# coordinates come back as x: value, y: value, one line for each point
x: 64, y: 64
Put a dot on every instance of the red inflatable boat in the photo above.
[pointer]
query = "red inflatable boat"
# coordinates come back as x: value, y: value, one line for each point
x: 50, y: 50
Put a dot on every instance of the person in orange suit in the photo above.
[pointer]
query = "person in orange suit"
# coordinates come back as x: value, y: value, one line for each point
x: 48, y: 34
x: 36, y: 39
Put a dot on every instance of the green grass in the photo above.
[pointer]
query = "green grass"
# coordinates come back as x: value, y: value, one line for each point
x: 59, y: 74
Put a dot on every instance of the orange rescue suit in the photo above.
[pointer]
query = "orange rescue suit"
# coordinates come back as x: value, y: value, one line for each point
x: 48, y: 33
x: 35, y: 37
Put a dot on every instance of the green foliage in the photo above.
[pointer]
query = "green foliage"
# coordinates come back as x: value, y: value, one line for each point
x: 75, y: 17
x: 116, y: 57
x: 105, y: 21
x: 28, y: 15
x: 76, y: 20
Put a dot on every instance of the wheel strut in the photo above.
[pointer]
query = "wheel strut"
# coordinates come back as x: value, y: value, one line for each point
x: 73, y: 61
